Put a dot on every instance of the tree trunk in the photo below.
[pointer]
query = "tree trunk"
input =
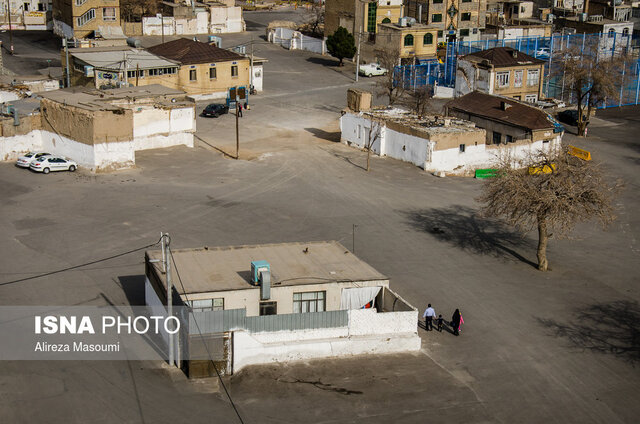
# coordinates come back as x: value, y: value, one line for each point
x: 368, y: 155
x: 543, y: 239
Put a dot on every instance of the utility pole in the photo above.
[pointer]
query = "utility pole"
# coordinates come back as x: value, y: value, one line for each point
x: 162, y: 25
x: 251, y: 66
x: 10, y: 28
x: 237, y: 128
x: 126, y: 77
x: 358, y: 53
x: 166, y: 253
x: 353, y: 238
x: 137, y: 73
x: 65, y: 42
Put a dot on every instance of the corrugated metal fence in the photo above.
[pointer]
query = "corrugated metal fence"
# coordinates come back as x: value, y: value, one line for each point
x: 236, y: 319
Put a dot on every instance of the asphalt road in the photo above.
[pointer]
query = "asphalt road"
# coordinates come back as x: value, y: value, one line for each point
x: 554, y: 347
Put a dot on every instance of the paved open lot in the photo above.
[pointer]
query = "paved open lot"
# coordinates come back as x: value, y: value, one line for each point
x: 557, y: 347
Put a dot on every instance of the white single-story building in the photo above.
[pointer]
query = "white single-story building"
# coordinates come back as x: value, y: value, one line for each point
x: 474, y: 135
x: 279, y: 303
x: 102, y: 129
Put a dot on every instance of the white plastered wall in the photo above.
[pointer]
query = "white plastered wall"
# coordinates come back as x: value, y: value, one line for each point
x: 367, y: 332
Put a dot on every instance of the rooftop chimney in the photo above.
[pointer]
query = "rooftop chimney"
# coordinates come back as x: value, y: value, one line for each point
x: 504, y: 105
x: 514, y: 53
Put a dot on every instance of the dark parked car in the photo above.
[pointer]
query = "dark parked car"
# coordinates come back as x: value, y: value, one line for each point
x: 214, y: 110
x: 569, y: 116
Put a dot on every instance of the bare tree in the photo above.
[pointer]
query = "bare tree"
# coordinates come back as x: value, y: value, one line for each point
x: 374, y: 135
x: 390, y: 85
x: 315, y: 19
x: 420, y: 100
x: 592, y: 77
x: 552, y: 193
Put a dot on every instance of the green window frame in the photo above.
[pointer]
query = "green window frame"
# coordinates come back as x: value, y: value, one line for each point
x: 427, y: 39
x: 466, y: 16
x: 464, y: 33
x: 408, y: 40
x: 386, y: 21
x: 371, y: 17
x: 436, y: 17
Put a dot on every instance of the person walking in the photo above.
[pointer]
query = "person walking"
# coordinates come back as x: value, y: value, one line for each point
x: 440, y: 322
x: 428, y: 316
x: 239, y: 106
x: 455, y: 322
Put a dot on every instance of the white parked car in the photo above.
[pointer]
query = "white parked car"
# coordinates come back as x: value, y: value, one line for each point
x: 25, y: 160
x: 372, y: 69
x: 543, y: 53
x: 47, y: 164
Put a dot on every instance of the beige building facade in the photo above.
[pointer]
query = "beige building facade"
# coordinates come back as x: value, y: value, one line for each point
x: 501, y: 71
x: 455, y: 20
x: 415, y: 41
x: 81, y: 18
x: 205, y: 71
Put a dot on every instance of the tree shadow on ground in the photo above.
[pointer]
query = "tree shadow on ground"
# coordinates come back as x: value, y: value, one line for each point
x: 324, y: 61
x: 325, y: 135
x: 610, y: 328
x: 461, y: 227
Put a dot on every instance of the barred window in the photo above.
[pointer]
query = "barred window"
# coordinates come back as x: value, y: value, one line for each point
x: 502, y: 78
x: 89, y: 15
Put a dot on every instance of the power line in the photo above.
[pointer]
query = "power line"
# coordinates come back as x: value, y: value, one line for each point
x: 175, y: 266
x: 79, y: 266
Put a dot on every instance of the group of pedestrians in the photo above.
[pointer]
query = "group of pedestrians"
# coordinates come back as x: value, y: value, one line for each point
x: 430, y: 315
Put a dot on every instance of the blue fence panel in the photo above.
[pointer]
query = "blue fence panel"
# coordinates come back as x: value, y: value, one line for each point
x: 550, y: 49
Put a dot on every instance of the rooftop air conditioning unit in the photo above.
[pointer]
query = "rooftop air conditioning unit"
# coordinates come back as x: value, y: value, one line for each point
x: 261, y: 275
x: 582, y: 17
x: 402, y: 22
x: 88, y: 71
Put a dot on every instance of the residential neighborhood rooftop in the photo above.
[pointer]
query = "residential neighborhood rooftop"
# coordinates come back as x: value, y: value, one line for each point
x: 503, y: 57
x: 112, y: 58
x: 423, y: 124
x: 188, y: 51
x: 228, y: 268
x: 93, y: 99
x: 517, y: 113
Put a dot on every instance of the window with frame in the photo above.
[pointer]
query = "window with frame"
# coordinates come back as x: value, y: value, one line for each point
x: 612, y: 33
x: 440, y: 34
x: 437, y: 1
x: 408, y: 40
x: 193, y: 75
x: 205, y: 305
x: 213, y: 73
x: 109, y: 14
x: 466, y: 1
x: 87, y: 16
x: 427, y: 39
x: 497, y: 137
x: 41, y: 7
x: 436, y: 17
x: 268, y: 308
x: 508, y: 139
x: 531, y: 98
x: 309, y: 302
x: 372, y: 11
x: 533, y: 77
x: 465, y: 16
x: 462, y: 148
x: 386, y: 21
x: 464, y: 33
x: 234, y: 70
x: 517, y: 78
x: 502, y: 79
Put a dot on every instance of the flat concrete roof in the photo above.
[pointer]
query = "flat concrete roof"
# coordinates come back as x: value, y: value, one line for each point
x: 112, y: 58
x: 432, y: 124
x: 94, y: 99
x: 214, y: 269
